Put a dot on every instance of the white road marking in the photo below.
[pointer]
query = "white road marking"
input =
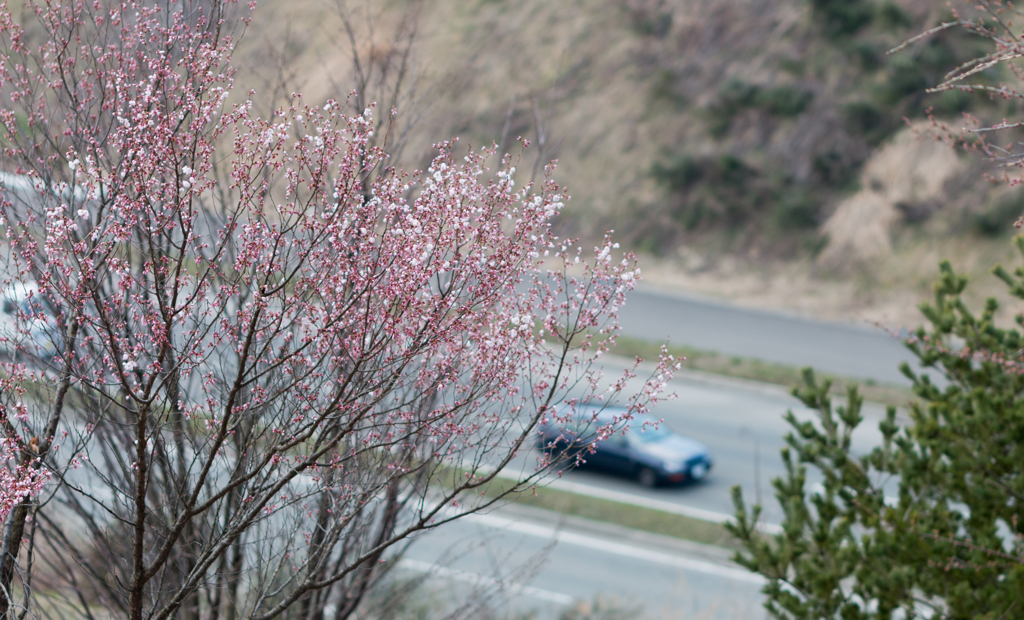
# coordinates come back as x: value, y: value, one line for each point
x: 638, y: 500
x: 597, y: 544
x: 475, y: 579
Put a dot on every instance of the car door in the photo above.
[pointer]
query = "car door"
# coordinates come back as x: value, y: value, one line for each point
x: 613, y: 455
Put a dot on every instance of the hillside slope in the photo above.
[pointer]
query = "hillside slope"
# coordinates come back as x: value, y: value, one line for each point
x: 726, y: 139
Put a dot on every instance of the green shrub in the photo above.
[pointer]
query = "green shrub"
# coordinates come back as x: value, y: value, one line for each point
x: 783, y: 100
x: 903, y: 80
x: 842, y: 17
x: 652, y: 23
x: 793, y: 66
x: 654, y: 237
x: 664, y: 87
x: 733, y: 96
x: 813, y: 244
x: 833, y: 169
x: 724, y: 190
x: 909, y: 73
x: 678, y: 174
x: 691, y: 214
x: 929, y: 522
x: 950, y: 102
x: 731, y: 169
x: 737, y: 94
x: 869, y: 55
x: 862, y: 118
x: 796, y: 210
x: 998, y: 219
x: 889, y: 16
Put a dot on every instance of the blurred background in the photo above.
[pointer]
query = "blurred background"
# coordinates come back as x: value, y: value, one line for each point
x: 769, y: 153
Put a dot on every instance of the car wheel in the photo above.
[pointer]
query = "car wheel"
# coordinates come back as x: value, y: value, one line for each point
x: 698, y: 471
x: 646, y: 477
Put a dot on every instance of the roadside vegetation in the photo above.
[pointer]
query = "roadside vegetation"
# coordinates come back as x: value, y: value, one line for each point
x: 721, y: 138
x: 754, y: 177
x: 253, y: 346
x: 759, y: 370
x: 950, y: 538
x: 929, y: 523
x: 730, y: 126
x: 618, y: 513
x: 272, y: 349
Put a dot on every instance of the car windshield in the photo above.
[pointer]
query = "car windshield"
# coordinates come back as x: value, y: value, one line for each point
x: 641, y: 430
x: 649, y: 433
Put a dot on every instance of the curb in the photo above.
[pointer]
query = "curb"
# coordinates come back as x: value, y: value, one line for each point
x: 628, y: 499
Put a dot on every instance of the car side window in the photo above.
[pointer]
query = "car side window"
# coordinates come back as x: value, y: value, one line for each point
x: 586, y: 430
x: 618, y: 440
x: 32, y: 309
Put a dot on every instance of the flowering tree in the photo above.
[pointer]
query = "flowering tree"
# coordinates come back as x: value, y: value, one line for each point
x: 995, y: 74
x: 267, y: 373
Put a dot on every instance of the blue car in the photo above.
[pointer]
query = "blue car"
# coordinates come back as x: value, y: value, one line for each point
x: 652, y: 455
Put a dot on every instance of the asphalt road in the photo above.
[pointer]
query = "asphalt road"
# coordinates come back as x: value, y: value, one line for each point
x: 544, y: 567
x: 532, y: 564
x: 742, y: 424
x: 855, y: 350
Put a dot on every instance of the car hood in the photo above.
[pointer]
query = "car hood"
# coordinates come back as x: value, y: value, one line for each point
x: 674, y: 447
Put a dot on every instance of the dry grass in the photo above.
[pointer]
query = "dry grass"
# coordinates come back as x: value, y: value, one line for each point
x: 625, y: 515
x: 580, y: 78
x: 760, y: 370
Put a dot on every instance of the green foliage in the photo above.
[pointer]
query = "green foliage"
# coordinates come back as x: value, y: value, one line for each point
x: 731, y: 169
x: 889, y: 16
x: 693, y: 214
x: 736, y: 95
x: 679, y: 173
x: 783, y: 100
x: 793, y: 66
x: 722, y: 189
x: 841, y: 72
x: 652, y: 23
x: 665, y: 88
x: 910, y: 72
x: 796, y: 209
x: 655, y: 240
x: 870, y: 55
x: 950, y: 541
x: 834, y: 169
x: 728, y: 193
x: 813, y: 245
x: 827, y: 74
x: 951, y: 102
x: 866, y: 119
x: 998, y: 219
x: 904, y: 78
x: 843, y: 17
x: 733, y: 97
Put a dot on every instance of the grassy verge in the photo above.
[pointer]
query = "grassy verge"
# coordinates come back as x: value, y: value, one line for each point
x: 626, y: 515
x: 760, y: 370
